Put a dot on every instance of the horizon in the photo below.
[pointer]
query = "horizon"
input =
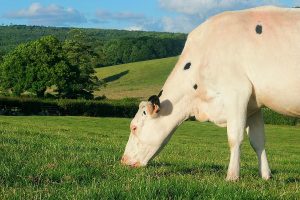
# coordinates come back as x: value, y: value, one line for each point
x: 71, y: 27
x: 177, y: 16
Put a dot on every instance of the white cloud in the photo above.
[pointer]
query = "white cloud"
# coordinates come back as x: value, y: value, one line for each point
x: 135, y: 28
x: 129, y: 20
x: 191, y: 13
x: 205, y: 8
x: 104, y: 16
x: 296, y: 3
x: 53, y: 15
x: 178, y: 24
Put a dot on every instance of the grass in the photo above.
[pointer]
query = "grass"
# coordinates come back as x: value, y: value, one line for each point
x: 78, y: 158
x: 139, y: 80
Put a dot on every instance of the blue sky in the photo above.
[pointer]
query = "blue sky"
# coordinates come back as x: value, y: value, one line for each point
x: 149, y: 15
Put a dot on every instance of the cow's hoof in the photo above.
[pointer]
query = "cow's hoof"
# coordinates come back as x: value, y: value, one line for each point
x: 266, y: 176
x: 231, y: 177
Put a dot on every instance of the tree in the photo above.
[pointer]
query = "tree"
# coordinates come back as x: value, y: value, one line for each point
x: 80, y: 55
x: 113, y: 52
x: 2, y: 53
x: 13, y: 71
x: 44, y: 57
x: 38, y: 65
x: 29, y: 67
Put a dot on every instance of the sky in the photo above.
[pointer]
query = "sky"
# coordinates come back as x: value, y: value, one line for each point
x: 147, y: 15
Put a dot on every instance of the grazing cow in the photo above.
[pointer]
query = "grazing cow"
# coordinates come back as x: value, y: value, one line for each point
x: 231, y: 66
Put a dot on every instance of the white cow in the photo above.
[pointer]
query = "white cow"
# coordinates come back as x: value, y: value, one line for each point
x: 231, y: 66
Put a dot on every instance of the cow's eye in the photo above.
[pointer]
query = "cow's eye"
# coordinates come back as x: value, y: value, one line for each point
x: 144, y: 112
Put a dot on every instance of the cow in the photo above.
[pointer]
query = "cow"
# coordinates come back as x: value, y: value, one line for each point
x: 231, y: 66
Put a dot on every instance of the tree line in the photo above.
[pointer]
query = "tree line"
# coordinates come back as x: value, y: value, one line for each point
x: 112, y: 46
x: 126, y: 50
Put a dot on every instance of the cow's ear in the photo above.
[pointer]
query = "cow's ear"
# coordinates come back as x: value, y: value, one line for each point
x: 153, y: 105
x: 152, y: 109
x: 154, y: 100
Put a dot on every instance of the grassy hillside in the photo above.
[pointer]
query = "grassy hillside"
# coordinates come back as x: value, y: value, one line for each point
x: 143, y: 79
x: 78, y: 158
x: 140, y: 79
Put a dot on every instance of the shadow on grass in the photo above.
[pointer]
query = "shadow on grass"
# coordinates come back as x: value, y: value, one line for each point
x: 293, y: 180
x: 274, y: 172
x: 174, y: 169
x: 203, y: 168
x: 115, y: 76
x: 160, y: 164
x: 214, y: 167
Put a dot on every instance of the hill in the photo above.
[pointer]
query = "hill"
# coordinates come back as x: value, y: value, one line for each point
x: 13, y: 35
x: 138, y: 80
x: 112, y: 46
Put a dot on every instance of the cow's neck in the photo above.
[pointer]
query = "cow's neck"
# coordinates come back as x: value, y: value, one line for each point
x: 174, y: 111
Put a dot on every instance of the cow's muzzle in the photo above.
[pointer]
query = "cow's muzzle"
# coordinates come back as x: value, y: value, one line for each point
x: 127, y: 161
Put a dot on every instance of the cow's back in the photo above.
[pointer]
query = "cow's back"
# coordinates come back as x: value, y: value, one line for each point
x: 263, y: 42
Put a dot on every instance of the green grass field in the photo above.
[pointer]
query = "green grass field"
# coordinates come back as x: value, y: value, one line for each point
x: 140, y: 79
x: 78, y: 158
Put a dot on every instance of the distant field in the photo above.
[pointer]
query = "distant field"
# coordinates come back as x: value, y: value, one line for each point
x: 140, y: 79
x: 78, y: 158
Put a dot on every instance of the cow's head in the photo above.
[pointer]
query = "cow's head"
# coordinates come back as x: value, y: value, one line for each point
x: 154, y: 123
x: 183, y: 96
x: 146, y: 133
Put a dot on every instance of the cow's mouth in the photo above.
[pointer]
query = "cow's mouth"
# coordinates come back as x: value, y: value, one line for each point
x: 126, y: 161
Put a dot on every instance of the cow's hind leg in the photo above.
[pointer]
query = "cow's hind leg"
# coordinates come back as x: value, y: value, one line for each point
x: 256, y: 134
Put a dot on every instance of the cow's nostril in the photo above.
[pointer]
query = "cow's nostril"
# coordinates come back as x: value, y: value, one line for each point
x: 133, y: 128
x: 136, y: 164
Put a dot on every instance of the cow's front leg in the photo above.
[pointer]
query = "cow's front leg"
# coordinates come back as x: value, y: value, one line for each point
x: 236, y: 123
x: 256, y: 134
x: 235, y: 138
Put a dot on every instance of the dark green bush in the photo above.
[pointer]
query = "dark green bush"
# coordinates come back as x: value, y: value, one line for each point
x: 105, y: 108
x: 98, y: 108
x: 271, y: 117
x: 34, y: 106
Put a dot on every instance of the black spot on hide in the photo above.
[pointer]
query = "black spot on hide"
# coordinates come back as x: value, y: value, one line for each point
x: 258, y: 29
x: 187, y: 66
x: 195, y: 86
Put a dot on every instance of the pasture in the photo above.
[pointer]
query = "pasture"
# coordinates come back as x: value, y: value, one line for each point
x: 78, y: 158
x: 139, y: 79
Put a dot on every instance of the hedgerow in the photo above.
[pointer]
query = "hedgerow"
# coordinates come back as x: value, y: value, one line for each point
x: 95, y: 108
x: 98, y: 108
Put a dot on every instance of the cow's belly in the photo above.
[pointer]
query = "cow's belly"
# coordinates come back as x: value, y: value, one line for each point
x: 282, y: 105
x: 281, y: 96
x: 276, y: 79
